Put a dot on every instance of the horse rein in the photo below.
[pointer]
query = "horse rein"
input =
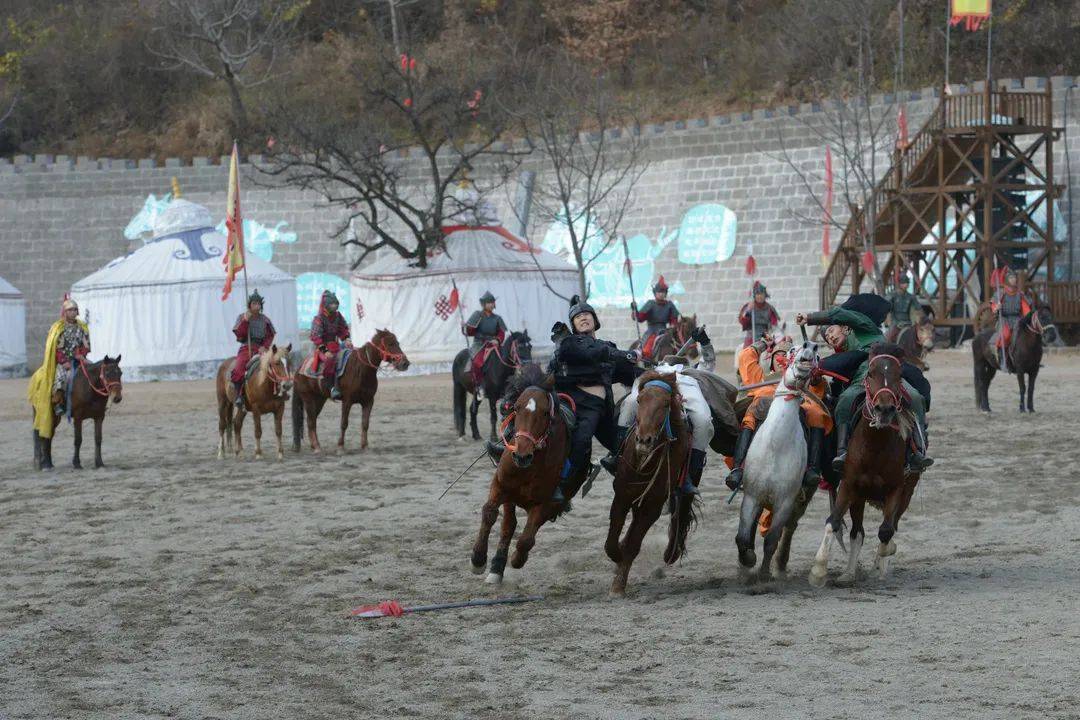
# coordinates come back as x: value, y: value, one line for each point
x: 104, y: 381
x: 515, y: 357
x: 538, y: 442
x: 279, y: 380
x: 384, y: 355
x: 872, y: 396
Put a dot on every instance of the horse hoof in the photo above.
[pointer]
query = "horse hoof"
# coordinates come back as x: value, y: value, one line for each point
x: 493, y: 579
x: 77, y: 466
x: 478, y: 569
x: 817, y: 578
x: 281, y: 457
x: 617, y: 593
x: 845, y: 580
x: 748, y: 559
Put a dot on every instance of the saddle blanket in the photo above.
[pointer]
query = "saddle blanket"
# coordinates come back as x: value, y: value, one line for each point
x: 309, y: 363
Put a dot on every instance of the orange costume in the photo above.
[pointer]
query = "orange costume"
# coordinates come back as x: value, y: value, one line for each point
x: 751, y: 372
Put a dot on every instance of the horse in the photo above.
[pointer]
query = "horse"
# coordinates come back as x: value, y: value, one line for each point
x: 93, y: 386
x: 500, y: 364
x: 265, y: 391
x: 673, y: 338
x: 651, y: 467
x: 916, y: 340
x: 874, y: 471
x: 358, y: 384
x: 774, y: 467
x: 527, y: 474
x: 1023, y: 357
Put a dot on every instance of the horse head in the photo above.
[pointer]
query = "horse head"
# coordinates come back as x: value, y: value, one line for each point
x: 924, y: 334
x: 533, y: 416
x: 657, y: 399
x: 111, y: 377
x: 884, y: 385
x: 276, y: 367
x: 1041, y: 322
x: 686, y: 326
x: 518, y: 348
x: 801, y: 364
x: 386, y: 343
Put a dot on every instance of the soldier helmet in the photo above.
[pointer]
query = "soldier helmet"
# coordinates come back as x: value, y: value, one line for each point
x: 660, y: 285
x: 327, y: 298
x: 68, y: 304
x: 487, y: 298
x: 578, y: 306
x: 760, y: 288
x: 255, y: 297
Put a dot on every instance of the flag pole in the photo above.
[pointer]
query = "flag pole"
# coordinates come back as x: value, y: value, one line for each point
x: 630, y: 276
x: 461, y: 313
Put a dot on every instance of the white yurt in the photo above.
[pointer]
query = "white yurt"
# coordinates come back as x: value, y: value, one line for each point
x: 12, y: 331
x: 160, y: 306
x: 413, y: 302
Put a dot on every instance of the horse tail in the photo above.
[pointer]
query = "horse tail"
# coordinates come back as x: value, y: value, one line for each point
x: 683, y: 519
x: 297, y: 420
x: 459, y: 406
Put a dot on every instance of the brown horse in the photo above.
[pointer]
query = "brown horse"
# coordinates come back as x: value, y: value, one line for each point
x: 874, y: 471
x: 358, y: 384
x: 1024, y: 357
x: 265, y: 391
x: 916, y: 340
x: 93, y: 386
x: 650, y: 469
x: 673, y: 338
x: 527, y: 474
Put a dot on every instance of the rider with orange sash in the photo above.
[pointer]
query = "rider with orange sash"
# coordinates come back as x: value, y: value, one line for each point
x: 1010, y: 306
x: 329, y: 331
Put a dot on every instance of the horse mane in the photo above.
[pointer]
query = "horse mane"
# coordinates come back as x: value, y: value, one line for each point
x: 530, y: 374
x: 886, y: 348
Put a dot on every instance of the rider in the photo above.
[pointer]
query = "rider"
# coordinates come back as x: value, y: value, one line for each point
x: 854, y: 327
x: 1012, y: 305
x: 253, y: 331
x: 758, y: 317
x: 697, y: 408
x: 659, y: 313
x: 484, y: 326
x: 71, y: 345
x: 904, y: 310
x: 329, y: 331
x: 584, y: 369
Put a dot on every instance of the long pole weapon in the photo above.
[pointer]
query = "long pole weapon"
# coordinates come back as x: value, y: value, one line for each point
x: 393, y: 609
x: 630, y: 276
x: 461, y: 313
x: 1000, y: 315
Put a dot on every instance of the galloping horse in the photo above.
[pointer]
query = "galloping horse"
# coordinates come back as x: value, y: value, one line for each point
x: 874, y: 471
x: 774, y: 468
x: 92, y: 387
x: 500, y: 364
x: 673, y: 339
x: 265, y: 391
x: 651, y: 467
x: 1023, y: 356
x: 916, y: 340
x: 358, y: 384
x: 527, y: 473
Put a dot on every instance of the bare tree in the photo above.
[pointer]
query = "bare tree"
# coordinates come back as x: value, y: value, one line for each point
x: 444, y: 107
x: 592, y: 155
x: 222, y: 39
x: 860, y: 134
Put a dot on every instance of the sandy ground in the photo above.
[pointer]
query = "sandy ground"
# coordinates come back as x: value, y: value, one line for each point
x: 175, y: 585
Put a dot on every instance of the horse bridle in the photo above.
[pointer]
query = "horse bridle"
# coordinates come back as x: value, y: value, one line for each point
x: 872, y: 396
x: 108, y: 385
x: 385, y: 355
x: 278, y: 380
x: 515, y: 357
x: 538, y: 442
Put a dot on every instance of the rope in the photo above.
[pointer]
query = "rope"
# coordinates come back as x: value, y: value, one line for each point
x: 104, y: 381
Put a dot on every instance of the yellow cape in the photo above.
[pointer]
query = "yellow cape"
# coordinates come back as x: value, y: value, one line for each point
x: 39, y: 393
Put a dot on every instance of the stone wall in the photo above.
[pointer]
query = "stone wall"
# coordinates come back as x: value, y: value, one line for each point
x: 61, y: 218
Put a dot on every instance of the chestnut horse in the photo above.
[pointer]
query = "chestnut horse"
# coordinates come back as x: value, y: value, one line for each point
x: 1024, y: 357
x: 673, y: 339
x: 93, y: 386
x: 874, y: 470
x: 916, y: 340
x: 528, y: 472
x: 652, y: 463
x: 358, y: 384
x: 500, y: 364
x: 265, y: 391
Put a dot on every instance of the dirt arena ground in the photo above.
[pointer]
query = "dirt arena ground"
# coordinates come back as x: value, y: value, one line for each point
x: 175, y: 585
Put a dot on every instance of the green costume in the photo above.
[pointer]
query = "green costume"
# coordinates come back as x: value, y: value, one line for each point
x: 904, y: 305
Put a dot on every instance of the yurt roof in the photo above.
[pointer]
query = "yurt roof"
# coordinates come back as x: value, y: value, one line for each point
x: 9, y: 291
x: 485, y: 250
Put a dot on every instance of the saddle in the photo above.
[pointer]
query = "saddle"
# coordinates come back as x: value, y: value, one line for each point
x: 308, y: 365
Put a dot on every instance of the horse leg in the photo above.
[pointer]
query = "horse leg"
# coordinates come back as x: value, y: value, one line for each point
x: 312, y: 424
x: 474, y: 408
x: 222, y: 428
x: 642, y: 518
x: 1031, y: 389
x: 238, y: 426
x: 895, y: 505
x: 781, y: 515
x: 279, y: 416
x: 346, y: 408
x: 257, y: 419
x: 1020, y: 382
x: 498, y: 563
x: 527, y: 539
x: 820, y: 569
x: 365, y: 421
x: 494, y: 420
x: 98, y: 423
x: 488, y: 514
x: 783, y: 553
x: 616, y: 520
x: 75, y: 462
x: 749, y: 513
x: 858, y: 535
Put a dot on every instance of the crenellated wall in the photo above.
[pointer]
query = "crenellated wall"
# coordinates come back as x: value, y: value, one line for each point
x: 61, y: 218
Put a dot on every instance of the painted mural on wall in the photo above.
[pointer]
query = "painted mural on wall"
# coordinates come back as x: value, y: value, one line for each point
x: 706, y: 234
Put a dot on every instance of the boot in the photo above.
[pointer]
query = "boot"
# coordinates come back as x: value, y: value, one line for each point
x: 46, y: 454
x: 335, y: 391
x: 239, y: 401
x: 917, y: 459
x: 734, y: 478
x: 562, y: 490
x: 693, y: 475
x: 610, y: 462
x: 812, y: 476
x: 841, y: 447
x: 37, y: 450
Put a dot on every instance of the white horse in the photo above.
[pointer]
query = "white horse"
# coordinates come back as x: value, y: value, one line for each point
x: 775, y: 464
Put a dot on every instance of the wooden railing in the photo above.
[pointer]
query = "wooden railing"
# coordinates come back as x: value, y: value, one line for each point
x: 1063, y: 298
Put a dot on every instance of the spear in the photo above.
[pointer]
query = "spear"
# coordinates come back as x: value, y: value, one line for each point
x: 461, y: 313
x: 630, y: 276
x: 392, y: 609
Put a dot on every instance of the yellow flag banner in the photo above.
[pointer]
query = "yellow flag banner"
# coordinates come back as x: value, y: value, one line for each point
x: 234, y: 247
x: 970, y: 12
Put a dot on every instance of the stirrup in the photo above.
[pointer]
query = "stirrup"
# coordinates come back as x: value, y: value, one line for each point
x: 688, y: 487
x: 838, y: 462
x: 335, y: 392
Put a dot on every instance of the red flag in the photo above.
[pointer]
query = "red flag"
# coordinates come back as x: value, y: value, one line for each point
x: 455, y: 299
x: 444, y: 306
x: 233, y: 259
x: 902, y: 128
x: 825, y: 249
x: 751, y: 263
